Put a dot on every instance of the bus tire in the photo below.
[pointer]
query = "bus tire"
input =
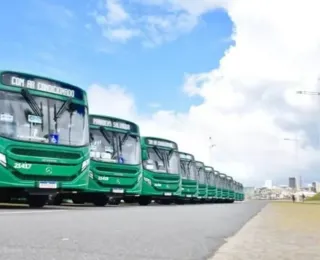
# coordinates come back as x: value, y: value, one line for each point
x: 77, y: 201
x: 100, y: 200
x: 57, y: 200
x: 114, y: 201
x: 129, y: 200
x: 143, y: 201
x: 37, y: 201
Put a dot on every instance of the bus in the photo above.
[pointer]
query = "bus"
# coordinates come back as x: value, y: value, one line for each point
x: 211, y: 189
x: 115, y: 166
x: 219, y: 187
x: 202, y: 181
x: 189, y: 189
x: 161, y: 171
x: 241, y: 192
x: 44, y: 138
x: 230, y: 188
x: 224, y: 187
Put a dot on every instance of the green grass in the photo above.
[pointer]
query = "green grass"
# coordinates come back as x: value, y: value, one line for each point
x: 314, y: 198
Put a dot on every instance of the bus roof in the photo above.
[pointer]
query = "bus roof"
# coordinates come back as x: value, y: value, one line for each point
x: 40, y: 77
x: 183, y: 156
x: 229, y: 178
x: 223, y: 175
x: 113, y: 122
x: 198, y: 162
x: 208, y: 168
x: 153, y: 141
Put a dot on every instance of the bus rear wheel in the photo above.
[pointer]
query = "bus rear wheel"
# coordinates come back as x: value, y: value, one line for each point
x: 144, y: 201
x: 37, y: 201
x: 100, y: 200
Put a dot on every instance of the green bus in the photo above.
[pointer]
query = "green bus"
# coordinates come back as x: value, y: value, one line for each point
x: 115, y: 166
x: 219, y: 187
x: 237, y: 191
x: 44, y: 138
x: 230, y: 188
x: 202, y: 181
x: 241, y: 192
x: 224, y: 187
x: 161, y: 171
x: 211, y: 188
x: 189, y: 189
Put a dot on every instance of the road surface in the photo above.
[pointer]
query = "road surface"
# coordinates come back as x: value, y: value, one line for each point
x: 188, y: 232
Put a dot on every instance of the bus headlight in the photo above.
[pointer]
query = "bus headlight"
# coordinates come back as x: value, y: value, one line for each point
x: 3, y: 160
x: 85, y: 164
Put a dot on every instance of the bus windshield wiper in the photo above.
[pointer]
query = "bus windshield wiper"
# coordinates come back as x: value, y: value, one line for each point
x: 109, y: 139
x: 31, y: 102
x: 62, y: 109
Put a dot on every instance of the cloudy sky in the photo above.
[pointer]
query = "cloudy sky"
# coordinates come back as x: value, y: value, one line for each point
x: 187, y: 70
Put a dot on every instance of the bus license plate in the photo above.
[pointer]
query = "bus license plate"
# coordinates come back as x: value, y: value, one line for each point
x: 118, y: 191
x: 167, y: 194
x: 48, y: 185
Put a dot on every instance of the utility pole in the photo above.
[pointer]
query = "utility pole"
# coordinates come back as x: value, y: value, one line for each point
x: 311, y: 93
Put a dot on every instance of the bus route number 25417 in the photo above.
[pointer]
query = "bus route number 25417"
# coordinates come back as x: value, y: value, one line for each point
x: 25, y: 166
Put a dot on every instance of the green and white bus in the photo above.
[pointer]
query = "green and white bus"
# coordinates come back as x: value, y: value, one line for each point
x: 189, y: 189
x: 44, y: 138
x: 224, y: 186
x: 219, y: 185
x: 211, y: 189
x: 161, y: 171
x: 115, y: 167
x: 230, y: 188
x: 202, y: 182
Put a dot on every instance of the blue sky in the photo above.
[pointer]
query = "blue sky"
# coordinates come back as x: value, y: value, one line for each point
x: 62, y: 40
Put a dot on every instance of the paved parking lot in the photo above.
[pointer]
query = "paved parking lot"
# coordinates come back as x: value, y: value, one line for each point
x: 126, y: 232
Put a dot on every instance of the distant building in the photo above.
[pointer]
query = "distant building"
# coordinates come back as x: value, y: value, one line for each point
x: 316, y: 186
x: 268, y: 184
x: 249, y: 192
x: 292, y: 183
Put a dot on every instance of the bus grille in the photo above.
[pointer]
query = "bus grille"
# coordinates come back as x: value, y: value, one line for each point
x: 45, y: 153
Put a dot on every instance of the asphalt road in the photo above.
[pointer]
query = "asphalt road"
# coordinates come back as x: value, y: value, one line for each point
x: 130, y: 232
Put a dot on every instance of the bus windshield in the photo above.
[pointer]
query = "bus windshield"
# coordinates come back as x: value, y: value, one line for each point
x: 162, y: 160
x: 188, y: 170
x: 201, y: 175
x: 32, y: 118
x: 114, y: 147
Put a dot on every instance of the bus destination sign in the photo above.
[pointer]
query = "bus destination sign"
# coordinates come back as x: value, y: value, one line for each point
x: 31, y: 82
x: 161, y: 143
x: 111, y: 123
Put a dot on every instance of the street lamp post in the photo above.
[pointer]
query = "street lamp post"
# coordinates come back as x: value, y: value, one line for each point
x: 296, y: 140
x: 311, y: 93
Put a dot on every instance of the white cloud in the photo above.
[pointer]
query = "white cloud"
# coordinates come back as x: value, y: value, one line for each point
x: 250, y: 102
x: 170, y: 20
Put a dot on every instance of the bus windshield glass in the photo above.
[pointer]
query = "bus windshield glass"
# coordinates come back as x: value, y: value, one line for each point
x: 163, y: 160
x: 188, y: 170
x: 27, y: 117
x: 201, y: 175
x: 114, y: 147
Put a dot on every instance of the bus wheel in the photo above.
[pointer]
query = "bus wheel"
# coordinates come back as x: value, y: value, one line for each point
x: 129, y: 200
x: 144, y: 201
x: 77, y: 201
x: 56, y: 200
x: 100, y: 201
x: 37, y: 201
x: 114, y: 201
x: 179, y: 202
